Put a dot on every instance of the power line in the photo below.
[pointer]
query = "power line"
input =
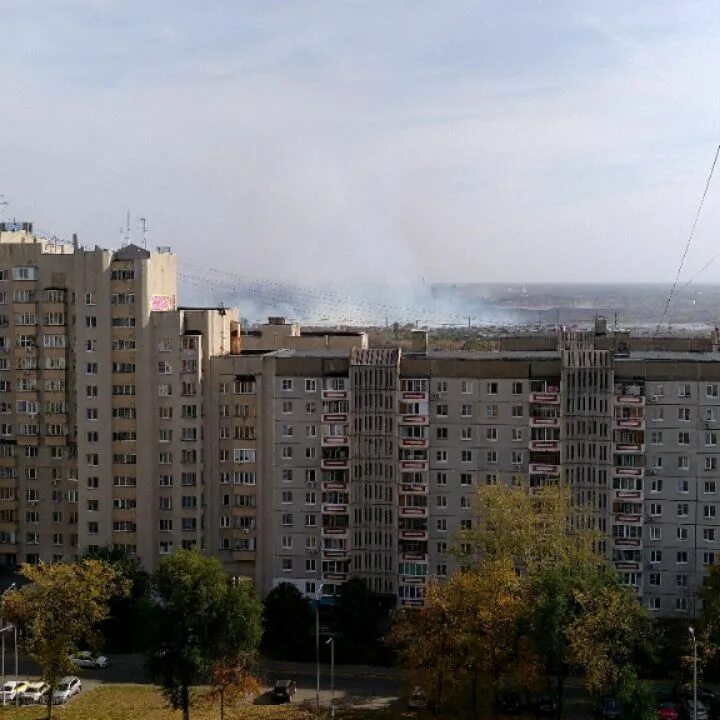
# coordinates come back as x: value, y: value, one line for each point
x: 689, y: 240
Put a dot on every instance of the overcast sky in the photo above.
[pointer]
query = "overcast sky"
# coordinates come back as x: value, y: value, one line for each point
x: 442, y: 139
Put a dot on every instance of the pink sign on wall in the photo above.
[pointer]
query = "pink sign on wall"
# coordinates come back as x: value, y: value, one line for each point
x: 162, y: 303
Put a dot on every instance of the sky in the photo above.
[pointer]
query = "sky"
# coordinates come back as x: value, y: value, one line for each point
x: 321, y: 140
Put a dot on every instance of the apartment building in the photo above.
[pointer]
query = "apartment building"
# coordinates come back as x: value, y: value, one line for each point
x: 307, y: 456
x: 371, y: 459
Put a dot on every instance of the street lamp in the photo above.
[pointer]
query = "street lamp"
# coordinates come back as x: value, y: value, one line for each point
x: 17, y: 670
x: 331, y: 642
x: 3, y: 647
x: 318, y: 594
x: 694, y: 641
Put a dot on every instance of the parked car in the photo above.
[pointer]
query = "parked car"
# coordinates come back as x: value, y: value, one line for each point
x: 65, y: 689
x: 417, y: 700
x: 35, y: 692
x: 11, y: 689
x: 609, y: 708
x: 547, y: 705
x: 689, y: 707
x: 511, y: 702
x: 86, y: 659
x: 667, y: 709
x: 283, y: 691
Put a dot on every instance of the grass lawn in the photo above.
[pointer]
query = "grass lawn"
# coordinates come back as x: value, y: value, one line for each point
x: 143, y: 702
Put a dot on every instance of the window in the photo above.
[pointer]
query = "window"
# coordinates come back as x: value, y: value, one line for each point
x: 441, y: 456
x: 683, y: 485
x: 466, y: 432
x: 710, y: 462
x: 517, y: 411
x: 655, y: 556
x: 683, y: 509
x: 710, y: 487
x: 466, y: 410
x: 684, y: 414
x: 491, y: 411
x: 681, y: 557
x: 441, y: 410
x: 684, y: 390
x: 286, y: 384
x: 517, y: 388
x: 287, y: 519
x: 683, y: 462
x: 310, y: 520
x: 655, y: 533
x: 709, y: 534
x: 466, y: 479
x: 441, y: 477
x: 491, y: 434
x: 656, y: 510
x: 491, y: 456
x: 287, y: 406
x: 656, y: 437
x: 709, y: 511
x: 466, y: 456
x: 287, y: 564
x: 286, y: 452
x: 441, y: 524
x: 517, y: 434
x: 656, y: 485
x: 710, y: 439
x: 441, y: 433
x: 682, y: 534
x: 441, y: 501
x: 491, y: 388
x: 466, y: 387
x: 683, y: 438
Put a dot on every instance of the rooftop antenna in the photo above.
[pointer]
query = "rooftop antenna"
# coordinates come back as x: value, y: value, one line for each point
x: 143, y: 226
x: 3, y: 203
x: 126, y: 232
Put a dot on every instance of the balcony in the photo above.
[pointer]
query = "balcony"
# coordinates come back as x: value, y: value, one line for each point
x: 334, y: 440
x: 552, y: 422
x: 634, y: 519
x: 335, y: 554
x: 634, y: 423
x: 414, y: 420
x: 328, y: 485
x: 626, y: 565
x: 414, y: 396
x: 629, y: 448
x: 413, y: 465
x: 544, y: 469
x: 415, y: 443
x: 335, y: 464
x: 334, y: 509
x: 412, y: 602
x: 335, y: 577
x: 335, y: 532
x: 413, y: 534
x: 627, y: 542
x: 412, y: 511
x: 627, y: 494
x: 546, y: 445
x: 413, y: 489
x: 546, y: 398
x: 333, y: 418
x: 636, y: 400
x: 629, y: 471
x: 414, y: 557
x: 413, y: 579
x: 334, y: 394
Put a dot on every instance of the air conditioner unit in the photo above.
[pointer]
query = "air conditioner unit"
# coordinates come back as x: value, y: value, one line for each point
x: 651, y: 472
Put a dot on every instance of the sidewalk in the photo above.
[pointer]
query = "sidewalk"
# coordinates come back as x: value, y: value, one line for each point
x: 341, y: 671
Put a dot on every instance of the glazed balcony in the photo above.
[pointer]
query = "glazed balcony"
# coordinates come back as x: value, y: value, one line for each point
x: 334, y: 394
x: 414, y: 420
x: 544, y: 422
x: 414, y: 443
x: 334, y: 509
x: 544, y: 398
x: 334, y: 440
x: 544, y: 445
x: 632, y: 400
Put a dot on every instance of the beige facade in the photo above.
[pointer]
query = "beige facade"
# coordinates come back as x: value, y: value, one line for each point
x: 307, y: 457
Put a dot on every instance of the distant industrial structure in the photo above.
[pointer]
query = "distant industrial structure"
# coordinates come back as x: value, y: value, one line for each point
x: 309, y: 457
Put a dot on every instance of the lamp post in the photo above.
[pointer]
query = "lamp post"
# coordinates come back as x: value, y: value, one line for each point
x: 318, y: 595
x: 694, y: 641
x: 331, y: 642
x: 3, y: 648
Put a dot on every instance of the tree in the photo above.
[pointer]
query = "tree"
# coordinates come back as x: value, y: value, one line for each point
x: 534, y: 529
x: 288, y: 623
x: 608, y: 635
x: 125, y: 628
x: 357, y: 619
x: 470, y: 629
x: 200, y: 620
x: 60, y: 607
x: 231, y: 681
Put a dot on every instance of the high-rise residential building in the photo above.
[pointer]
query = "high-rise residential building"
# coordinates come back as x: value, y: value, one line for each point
x: 309, y: 457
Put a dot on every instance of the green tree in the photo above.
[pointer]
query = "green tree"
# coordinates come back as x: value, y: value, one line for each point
x: 609, y: 635
x: 200, y: 620
x: 358, y: 618
x: 288, y: 624
x: 61, y: 606
x: 125, y: 628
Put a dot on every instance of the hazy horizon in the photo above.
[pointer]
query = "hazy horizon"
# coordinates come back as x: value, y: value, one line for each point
x: 315, y: 140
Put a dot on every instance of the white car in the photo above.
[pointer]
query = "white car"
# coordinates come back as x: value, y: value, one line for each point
x: 88, y: 660
x: 65, y: 689
x: 35, y: 692
x: 11, y: 689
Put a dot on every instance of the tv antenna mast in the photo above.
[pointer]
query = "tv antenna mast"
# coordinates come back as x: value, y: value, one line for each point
x: 3, y: 204
x: 126, y: 232
x: 143, y: 226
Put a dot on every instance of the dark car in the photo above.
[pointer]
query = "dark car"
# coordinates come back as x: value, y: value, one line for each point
x: 283, y: 691
x: 511, y: 702
x: 547, y: 705
x: 609, y: 708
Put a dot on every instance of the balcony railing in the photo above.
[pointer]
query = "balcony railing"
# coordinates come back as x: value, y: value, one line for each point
x: 630, y: 400
x: 413, y: 465
x: 414, y: 396
x: 414, y: 420
x: 546, y: 398
x: 333, y: 418
x: 412, y: 442
x: 630, y: 448
x: 334, y: 440
x: 413, y: 534
x: 334, y: 509
x: 334, y: 394
x: 412, y: 511
x: 547, y: 445
x: 545, y: 422
x: 544, y: 469
x: 336, y: 464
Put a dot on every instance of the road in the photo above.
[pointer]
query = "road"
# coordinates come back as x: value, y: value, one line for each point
x: 354, y: 685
